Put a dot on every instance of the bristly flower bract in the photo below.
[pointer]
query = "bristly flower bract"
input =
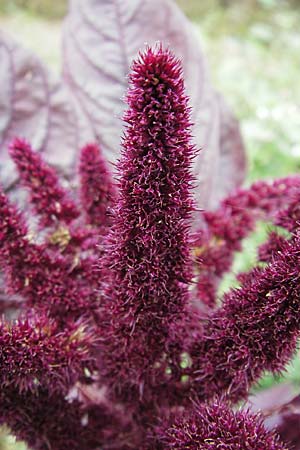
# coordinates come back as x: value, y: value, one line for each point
x: 49, y: 199
x: 97, y: 189
x: 34, y: 353
x: 215, y: 426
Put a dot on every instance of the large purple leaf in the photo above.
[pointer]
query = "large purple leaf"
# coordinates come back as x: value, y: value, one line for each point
x: 32, y: 105
x: 232, y: 163
x: 101, y: 37
x: 288, y: 424
x: 281, y: 410
x: 270, y: 400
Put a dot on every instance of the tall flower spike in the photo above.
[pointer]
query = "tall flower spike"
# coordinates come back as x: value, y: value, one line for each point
x: 97, y: 190
x: 255, y: 330
x: 50, y: 200
x: 214, y: 427
x: 148, y: 254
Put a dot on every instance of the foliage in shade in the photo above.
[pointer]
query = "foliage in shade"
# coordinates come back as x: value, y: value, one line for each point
x: 125, y: 356
x: 100, y: 38
x: 288, y: 422
x: 281, y: 410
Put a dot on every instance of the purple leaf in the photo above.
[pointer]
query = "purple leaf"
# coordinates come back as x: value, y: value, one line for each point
x: 232, y: 163
x: 101, y: 37
x: 281, y: 410
x: 270, y: 400
x: 33, y: 106
x: 289, y: 423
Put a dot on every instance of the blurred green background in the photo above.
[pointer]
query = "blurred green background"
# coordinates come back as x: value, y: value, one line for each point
x: 253, y: 49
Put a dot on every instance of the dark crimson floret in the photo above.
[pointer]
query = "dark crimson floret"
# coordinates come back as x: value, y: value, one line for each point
x: 148, y: 254
x: 217, y: 427
x: 50, y: 200
x: 289, y: 217
x: 97, y: 190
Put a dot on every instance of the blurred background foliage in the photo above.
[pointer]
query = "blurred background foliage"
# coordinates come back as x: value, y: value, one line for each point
x: 253, y: 50
x: 48, y: 9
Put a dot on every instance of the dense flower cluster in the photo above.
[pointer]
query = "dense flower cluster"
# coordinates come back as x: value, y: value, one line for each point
x: 97, y: 189
x: 255, y: 329
x: 223, y: 230
x: 48, y: 198
x: 119, y: 343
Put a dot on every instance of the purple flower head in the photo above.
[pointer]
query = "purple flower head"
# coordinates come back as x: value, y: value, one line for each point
x: 45, y: 420
x: 235, y: 219
x: 50, y: 200
x: 216, y: 427
x: 14, y: 244
x: 289, y: 218
x: 46, y: 280
x: 97, y: 190
x: 273, y: 245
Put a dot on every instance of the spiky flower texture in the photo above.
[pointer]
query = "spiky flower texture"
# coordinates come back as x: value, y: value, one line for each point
x: 119, y: 344
x: 215, y: 426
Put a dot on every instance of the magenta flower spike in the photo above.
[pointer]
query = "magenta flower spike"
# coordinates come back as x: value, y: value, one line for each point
x: 255, y: 330
x: 14, y: 245
x: 51, y: 201
x: 216, y: 426
x: 96, y: 187
x: 289, y: 218
x: 148, y: 254
x: 273, y: 245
